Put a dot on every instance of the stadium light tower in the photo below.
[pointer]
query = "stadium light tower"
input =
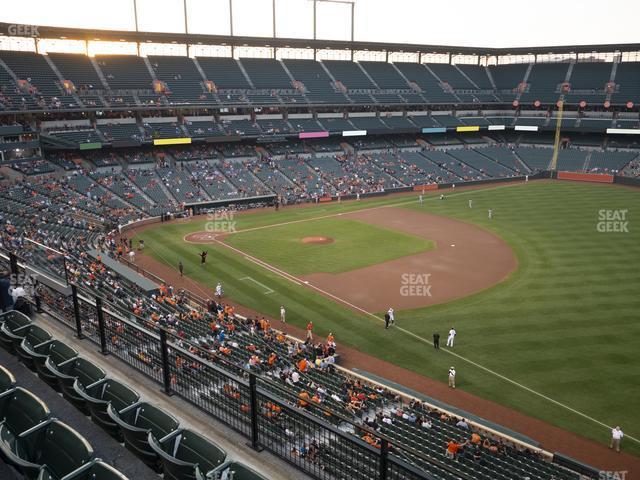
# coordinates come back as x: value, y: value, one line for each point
x: 345, y: 2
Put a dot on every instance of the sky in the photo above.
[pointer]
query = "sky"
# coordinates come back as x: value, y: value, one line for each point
x: 490, y: 23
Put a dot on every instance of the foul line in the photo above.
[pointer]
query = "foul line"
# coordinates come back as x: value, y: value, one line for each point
x: 301, y: 282
x: 268, y: 290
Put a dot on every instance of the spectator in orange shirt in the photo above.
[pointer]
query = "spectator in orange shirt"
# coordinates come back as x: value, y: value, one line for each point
x: 302, y: 365
x: 452, y: 449
x: 310, y: 331
x: 303, y: 399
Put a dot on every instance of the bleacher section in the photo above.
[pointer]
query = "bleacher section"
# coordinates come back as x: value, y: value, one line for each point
x: 316, y: 81
x: 125, y: 72
x: 432, y: 91
x: 274, y: 82
x: 588, y: 82
x: 224, y: 72
x: 628, y: 87
x: 35, y: 70
x: 544, y: 81
x: 507, y: 79
x: 184, y: 82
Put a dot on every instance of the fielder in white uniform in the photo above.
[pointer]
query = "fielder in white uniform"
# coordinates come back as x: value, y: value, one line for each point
x: 451, y: 337
x: 392, y: 319
x: 421, y: 199
x: 490, y: 214
x: 219, y: 290
x: 283, y: 314
x: 470, y: 203
x: 452, y: 377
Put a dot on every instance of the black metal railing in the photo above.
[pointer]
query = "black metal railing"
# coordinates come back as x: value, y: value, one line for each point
x: 247, y: 401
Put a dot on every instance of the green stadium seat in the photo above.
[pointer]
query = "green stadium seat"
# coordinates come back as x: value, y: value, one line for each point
x: 7, y: 380
x: 237, y: 471
x: 136, y: 422
x: 95, y: 470
x: 37, y: 337
x: 49, y: 359
x: 20, y: 411
x: 102, y: 394
x: 13, y: 330
x: 78, y: 371
x: 187, y: 455
x: 49, y: 452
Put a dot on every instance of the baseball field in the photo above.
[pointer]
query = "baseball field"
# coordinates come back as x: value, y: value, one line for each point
x: 545, y: 296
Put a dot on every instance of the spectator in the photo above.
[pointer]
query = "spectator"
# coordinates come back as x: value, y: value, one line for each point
x: 6, y: 300
x: 452, y: 449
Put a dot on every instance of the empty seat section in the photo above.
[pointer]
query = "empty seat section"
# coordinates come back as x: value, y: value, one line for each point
x: 349, y: 74
x: 125, y: 72
x: 316, y: 81
x: 432, y: 90
x: 544, y: 82
x: 385, y: 75
x: 182, y: 78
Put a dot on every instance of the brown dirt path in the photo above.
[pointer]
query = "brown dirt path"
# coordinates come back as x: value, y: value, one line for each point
x: 466, y: 260
x: 552, y: 438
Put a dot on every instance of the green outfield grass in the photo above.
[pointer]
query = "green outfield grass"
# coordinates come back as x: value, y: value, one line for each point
x: 356, y: 244
x: 565, y: 324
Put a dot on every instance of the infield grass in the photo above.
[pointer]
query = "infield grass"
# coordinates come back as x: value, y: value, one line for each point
x: 565, y: 324
x: 355, y: 245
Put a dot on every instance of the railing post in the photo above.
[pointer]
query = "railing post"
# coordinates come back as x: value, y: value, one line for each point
x: 76, y: 311
x: 253, y: 398
x: 384, y: 457
x: 37, y: 299
x: 13, y: 263
x: 166, y: 372
x: 101, y: 327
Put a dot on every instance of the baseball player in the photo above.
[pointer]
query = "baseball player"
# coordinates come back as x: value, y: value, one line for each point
x: 181, y: 268
x: 470, y: 203
x: 616, y: 436
x: 421, y: 199
x: 490, y: 214
x: 451, y: 337
x: 219, y: 290
x: 283, y: 313
x: 392, y: 319
x: 452, y: 377
x: 310, y: 331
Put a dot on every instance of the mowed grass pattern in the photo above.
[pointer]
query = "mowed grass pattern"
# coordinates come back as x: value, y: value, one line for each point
x: 565, y: 324
x: 355, y: 245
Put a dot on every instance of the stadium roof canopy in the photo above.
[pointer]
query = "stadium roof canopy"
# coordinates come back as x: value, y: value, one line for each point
x: 48, y: 32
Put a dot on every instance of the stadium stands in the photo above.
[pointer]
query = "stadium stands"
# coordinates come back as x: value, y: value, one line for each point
x: 544, y: 82
x: 182, y: 78
x: 125, y: 72
x: 318, y: 84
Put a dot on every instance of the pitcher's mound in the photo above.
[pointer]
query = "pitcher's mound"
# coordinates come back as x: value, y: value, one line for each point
x: 317, y: 240
x: 200, y: 237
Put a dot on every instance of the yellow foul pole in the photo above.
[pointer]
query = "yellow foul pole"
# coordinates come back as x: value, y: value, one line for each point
x: 556, y: 143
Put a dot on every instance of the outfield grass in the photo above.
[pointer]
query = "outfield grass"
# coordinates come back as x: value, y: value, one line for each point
x: 565, y: 324
x: 356, y: 245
